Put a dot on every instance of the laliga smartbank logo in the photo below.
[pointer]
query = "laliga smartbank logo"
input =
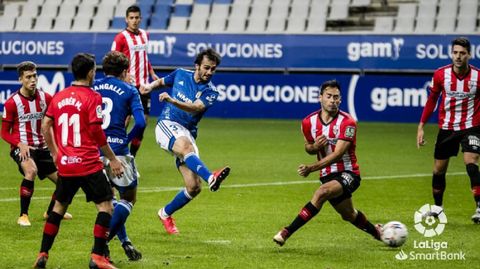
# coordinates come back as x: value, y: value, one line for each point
x: 430, y: 221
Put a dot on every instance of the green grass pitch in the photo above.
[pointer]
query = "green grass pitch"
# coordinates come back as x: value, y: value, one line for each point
x: 233, y: 228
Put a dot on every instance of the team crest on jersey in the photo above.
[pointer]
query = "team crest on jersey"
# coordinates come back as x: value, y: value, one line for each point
x: 350, y: 132
x: 99, y: 111
x: 198, y: 95
x: 472, y: 85
x: 335, y: 130
x: 43, y: 105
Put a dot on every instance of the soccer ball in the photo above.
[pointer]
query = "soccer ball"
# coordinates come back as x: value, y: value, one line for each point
x: 394, y: 234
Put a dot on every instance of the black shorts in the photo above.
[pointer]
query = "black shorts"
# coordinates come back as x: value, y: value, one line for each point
x: 41, y: 157
x: 95, y: 186
x: 349, y: 181
x: 448, y: 142
x: 146, y: 103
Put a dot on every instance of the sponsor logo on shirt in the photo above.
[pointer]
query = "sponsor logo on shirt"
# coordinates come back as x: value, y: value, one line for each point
x: 66, y: 160
x: 30, y: 116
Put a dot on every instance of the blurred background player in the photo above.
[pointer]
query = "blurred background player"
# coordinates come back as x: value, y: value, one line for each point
x: 331, y: 135
x: 22, y: 119
x: 192, y: 95
x: 133, y: 42
x: 458, y: 122
x: 120, y: 100
x: 72, y: 127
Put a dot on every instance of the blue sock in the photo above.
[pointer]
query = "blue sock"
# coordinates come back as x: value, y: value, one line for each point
x: 120, y: 214
x: 196, y: 165
x: 181, y: 199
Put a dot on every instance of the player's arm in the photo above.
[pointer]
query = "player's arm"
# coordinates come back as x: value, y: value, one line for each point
x: 319, y: 143
x: 101, y: 140
x: 341, y: 148
x: 140, y: 125
x: 47, y: 131
x: 432, y: 99
x: 158, y: 83
x: 195, y: 107
x: 152, y: 72
x: 9, y: 137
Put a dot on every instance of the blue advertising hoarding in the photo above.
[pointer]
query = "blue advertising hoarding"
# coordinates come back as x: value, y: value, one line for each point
x: 389, y: 98
x: 332, y: 52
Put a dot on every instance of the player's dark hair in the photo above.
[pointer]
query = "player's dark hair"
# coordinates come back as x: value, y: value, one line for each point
x: 329, y: 83
x: 211, y: 54
x: 25, y: 66
x: 133, y: 8
x: 462, y: 41
x: 114, y: 63
x: 81, y: 64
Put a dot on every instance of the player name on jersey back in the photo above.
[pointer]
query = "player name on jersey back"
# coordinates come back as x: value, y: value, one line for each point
x: 70, y: 101
x: 109, y: 87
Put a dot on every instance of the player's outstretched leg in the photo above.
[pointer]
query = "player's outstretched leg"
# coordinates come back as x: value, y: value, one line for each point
x: 193, y: 162
x: 362, y: 223
x: 306, y: 214
x: 217, y: 178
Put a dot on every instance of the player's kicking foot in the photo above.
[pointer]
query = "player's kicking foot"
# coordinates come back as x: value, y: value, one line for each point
x: 168, y: 223
x: 24, y: 221
x: 66, y: 216
x: 476, y: 216
x: 379, y: 228
x: 41, y: 261
x: 281, y: 237
x: 132, y: 253
x: 435, y: 211
x: 218, y: 177
x: 100, y: 262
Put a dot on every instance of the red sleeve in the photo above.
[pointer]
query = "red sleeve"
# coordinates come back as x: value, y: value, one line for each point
x: 48, y: 98
x: 6, y: 135
x: 49, y: 113
x: 98, y: 134
x: 306, y: 127
x: 118, y: 43
x: 348, y: 130
x: 435, y: 90
x: 95, y: 120
x: 8, y: 119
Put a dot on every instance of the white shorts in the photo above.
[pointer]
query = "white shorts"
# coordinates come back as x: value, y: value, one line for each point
x: 166, y: 132
x: 130, y: 176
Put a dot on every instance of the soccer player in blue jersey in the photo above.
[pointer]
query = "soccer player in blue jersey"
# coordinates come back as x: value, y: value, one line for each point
x: 120, y: 100
x: 191, y: 95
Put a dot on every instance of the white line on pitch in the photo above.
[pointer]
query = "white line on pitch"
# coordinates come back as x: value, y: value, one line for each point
x: 232, y: 186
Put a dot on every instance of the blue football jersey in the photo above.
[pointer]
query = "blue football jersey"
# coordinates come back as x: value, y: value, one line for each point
x: 119, y: 100
x: 185, y: 89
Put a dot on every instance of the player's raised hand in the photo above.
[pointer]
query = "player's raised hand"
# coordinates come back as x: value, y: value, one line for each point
x: 303, y: 170
x: 117, y: 167
x: 164, y: 97
x: 145, y: 88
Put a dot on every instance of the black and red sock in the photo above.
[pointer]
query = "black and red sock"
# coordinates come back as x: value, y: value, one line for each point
x: 362, y: 223
x: 100, y: 232
x: 307, y: 213
x: 50, y: 230
x: 26, y: 192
